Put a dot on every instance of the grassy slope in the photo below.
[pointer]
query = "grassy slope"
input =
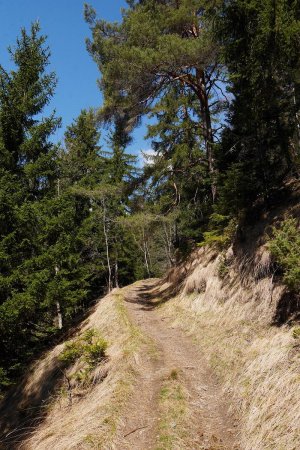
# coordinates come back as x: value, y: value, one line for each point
x: 257, y: 362
x: 91, y: 421
x: 228, y: 311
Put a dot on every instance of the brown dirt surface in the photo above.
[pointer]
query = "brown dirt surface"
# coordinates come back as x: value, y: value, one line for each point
x: 177, y: 403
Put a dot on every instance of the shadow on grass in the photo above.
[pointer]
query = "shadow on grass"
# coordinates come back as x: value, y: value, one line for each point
x: 22, y: 410
x: 288, y: 309
x: 25, y: 405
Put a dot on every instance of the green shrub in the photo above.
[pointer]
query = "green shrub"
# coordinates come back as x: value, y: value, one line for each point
x: 221, y: 233
x: 72, y: 351
x: 90, y: 347
x: 285, y: 248
x: 223, y: 267
x: 296, y: 333
x: 89, y: 335
x: 94, y: 352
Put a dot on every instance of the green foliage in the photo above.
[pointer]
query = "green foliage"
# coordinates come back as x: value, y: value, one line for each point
x: 285, y: 248
x: 260, y: 147
x: 4, y: 380
x: 162, y: 59
x: 222, y: 231
x: 72, y: 351
x: 27, y: 177
x: 220, y: 84
x: 147, y: 50
x: 223, y: 267
x: 296, y: 333
x: 90, y: 348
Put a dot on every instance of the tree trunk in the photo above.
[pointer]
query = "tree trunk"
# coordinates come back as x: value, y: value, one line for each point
x: 107, y: 246
x: 207, y: 126
x: 59, y: 316
x: 168, y: 246
x: 297, y: 120
x: 145, y: 254
x: 58, y: 308
x: 116, y: 275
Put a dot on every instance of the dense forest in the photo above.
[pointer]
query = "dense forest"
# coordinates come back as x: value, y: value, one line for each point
x: 220, y: 81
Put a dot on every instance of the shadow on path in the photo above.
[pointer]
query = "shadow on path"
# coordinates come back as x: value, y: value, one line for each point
x: 153, y: 293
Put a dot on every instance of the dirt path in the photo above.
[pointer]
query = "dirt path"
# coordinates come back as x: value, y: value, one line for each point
x: 177, y: 403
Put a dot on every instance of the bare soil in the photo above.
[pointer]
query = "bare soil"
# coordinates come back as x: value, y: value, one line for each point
x: 210, y: 426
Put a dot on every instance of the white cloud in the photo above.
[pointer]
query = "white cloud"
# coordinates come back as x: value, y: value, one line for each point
x: 147, y: 157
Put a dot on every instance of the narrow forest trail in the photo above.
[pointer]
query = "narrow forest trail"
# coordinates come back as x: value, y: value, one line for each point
x: 177, y: 403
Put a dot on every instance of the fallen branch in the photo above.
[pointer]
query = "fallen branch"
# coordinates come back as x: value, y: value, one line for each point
x: 133, y: 431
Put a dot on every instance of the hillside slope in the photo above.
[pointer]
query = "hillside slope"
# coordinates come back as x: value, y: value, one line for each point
x: 157, y: 392
x: 204, y: 359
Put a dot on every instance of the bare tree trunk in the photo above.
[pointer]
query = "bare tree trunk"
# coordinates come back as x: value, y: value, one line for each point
x: 116, y: 274
x: 168, y: 246
x: 58, y: 308
x: 149, y: 259
x: 145, y: 254
x: 297, y: 119
x: 107, y: 246
x: 59, y: 315
x: 208, y: 132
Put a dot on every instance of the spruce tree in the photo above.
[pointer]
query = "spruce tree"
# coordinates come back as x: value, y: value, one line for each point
x: 260, y: 147
x: 28, y: 173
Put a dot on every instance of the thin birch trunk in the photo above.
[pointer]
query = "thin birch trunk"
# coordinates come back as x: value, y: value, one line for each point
x: 116, y: 275
x: 145, y: 254
x: 106, y: 246
x: 58, y: 308
x: 168, y: 246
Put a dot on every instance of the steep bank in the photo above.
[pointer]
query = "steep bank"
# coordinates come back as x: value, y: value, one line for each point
x: 59, y: 407
x: 256, y: 361
x: 246, y: 322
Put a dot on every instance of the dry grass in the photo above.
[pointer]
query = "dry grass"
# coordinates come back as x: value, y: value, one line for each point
x: 257, y: 363
x: 173, y: 413
x: 227, y: 307
x: 91, y: 421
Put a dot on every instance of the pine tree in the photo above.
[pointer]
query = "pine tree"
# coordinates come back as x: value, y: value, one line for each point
x: 178, y: 173
x: 156, y: 45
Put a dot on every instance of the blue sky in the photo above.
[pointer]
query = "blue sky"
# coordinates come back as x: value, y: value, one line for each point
x: 62, y: 21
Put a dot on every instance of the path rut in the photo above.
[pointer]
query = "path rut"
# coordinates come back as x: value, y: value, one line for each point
x: 210, y: 425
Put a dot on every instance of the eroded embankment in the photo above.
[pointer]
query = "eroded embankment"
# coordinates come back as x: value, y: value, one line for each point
x: 230, y: 307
